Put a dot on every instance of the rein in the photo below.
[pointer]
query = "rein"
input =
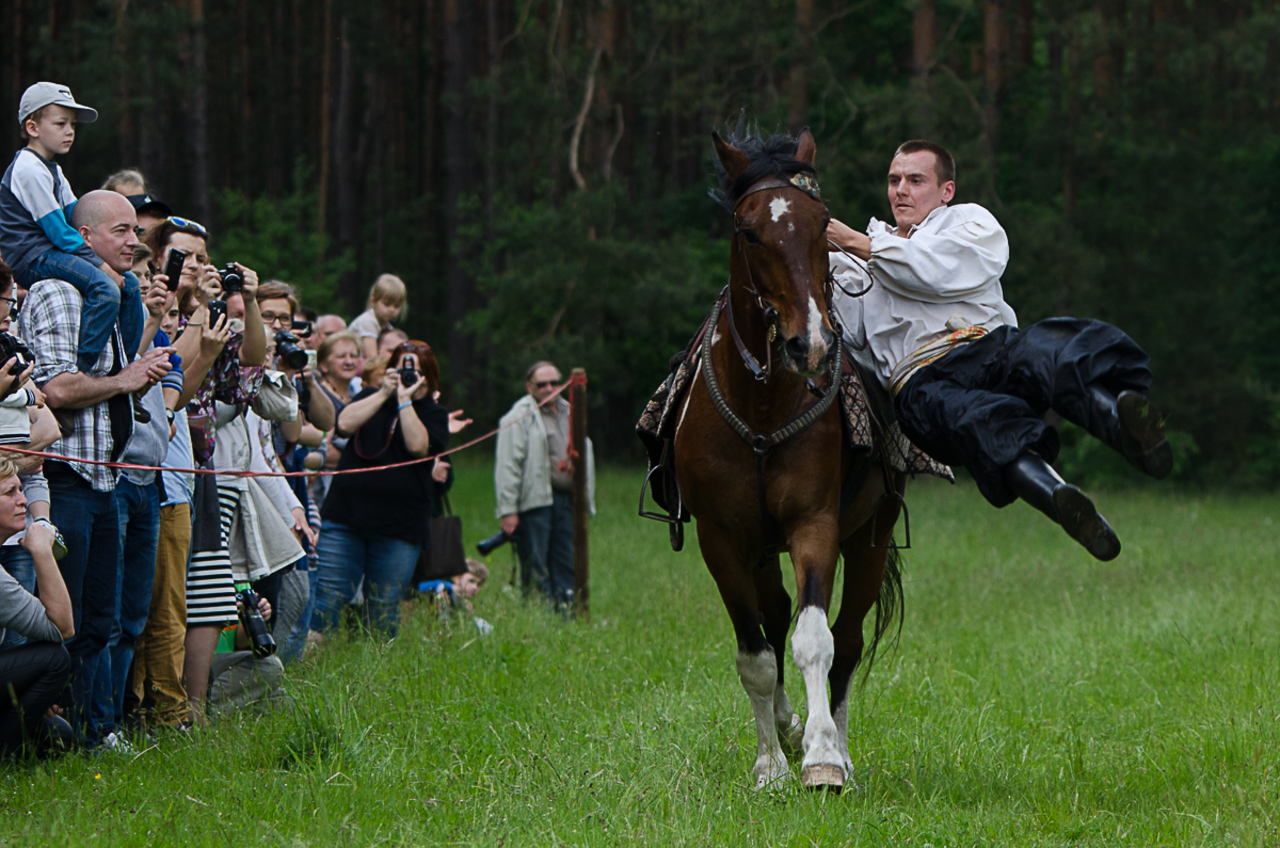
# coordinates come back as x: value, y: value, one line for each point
x: 761, y: 443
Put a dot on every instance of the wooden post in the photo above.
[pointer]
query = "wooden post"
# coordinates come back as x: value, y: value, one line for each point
x: 581, y: 571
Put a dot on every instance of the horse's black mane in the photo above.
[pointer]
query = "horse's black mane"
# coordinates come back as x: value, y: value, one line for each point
x: 769, y: 157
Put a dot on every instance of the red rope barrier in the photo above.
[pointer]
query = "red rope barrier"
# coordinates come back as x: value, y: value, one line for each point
x: 331, y: 473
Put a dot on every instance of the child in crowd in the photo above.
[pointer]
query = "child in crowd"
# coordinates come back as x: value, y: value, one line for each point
x: 459, y: 589
x: 387, y: 302
x: 36, y: 237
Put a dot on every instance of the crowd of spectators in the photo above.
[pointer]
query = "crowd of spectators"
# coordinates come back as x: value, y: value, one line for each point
x: 149, y: 598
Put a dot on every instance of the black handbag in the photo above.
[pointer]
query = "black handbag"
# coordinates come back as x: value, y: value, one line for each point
x: 444, y: 556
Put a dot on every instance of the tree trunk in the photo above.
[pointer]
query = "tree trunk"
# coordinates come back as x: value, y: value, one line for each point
x: 798, y: 84
x: 126, y: 143
x: 459, y: 65
x: 924, y: 46
x: 326, y: 81
x: 198, y: 117
x: 993, y: 77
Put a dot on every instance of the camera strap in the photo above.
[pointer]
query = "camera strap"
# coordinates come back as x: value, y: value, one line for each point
x: 391, y: 432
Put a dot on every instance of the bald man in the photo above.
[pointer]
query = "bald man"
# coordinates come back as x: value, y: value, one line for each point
x: 82, y: 497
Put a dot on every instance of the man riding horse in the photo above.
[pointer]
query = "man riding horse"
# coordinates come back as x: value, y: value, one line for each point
x: 970, y: 388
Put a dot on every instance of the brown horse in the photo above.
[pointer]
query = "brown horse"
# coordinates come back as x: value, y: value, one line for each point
x: 750, y: 504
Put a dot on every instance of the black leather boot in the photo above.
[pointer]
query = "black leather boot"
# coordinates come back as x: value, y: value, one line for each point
x: 1035, y: 482
x: 1135, y: 430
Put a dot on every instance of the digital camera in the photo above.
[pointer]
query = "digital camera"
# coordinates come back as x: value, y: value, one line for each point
x: 232, y: 282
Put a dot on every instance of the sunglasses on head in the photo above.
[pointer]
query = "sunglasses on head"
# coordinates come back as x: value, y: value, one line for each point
x: 183, y: 222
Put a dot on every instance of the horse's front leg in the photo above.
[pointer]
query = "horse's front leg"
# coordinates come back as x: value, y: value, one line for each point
x: 756, y: 662
x: 775, y: 615
x: 813, y: 553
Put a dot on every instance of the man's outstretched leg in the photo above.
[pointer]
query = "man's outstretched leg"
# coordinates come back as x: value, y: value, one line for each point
x: 1035, y: 481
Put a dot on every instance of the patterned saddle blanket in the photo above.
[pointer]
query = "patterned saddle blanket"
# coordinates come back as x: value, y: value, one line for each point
x: 861, y: 397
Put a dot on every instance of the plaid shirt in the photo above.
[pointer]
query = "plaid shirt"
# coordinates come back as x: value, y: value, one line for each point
x: 50, y: 325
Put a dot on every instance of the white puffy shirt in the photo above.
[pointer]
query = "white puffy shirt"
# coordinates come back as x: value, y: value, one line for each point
x: 949, y: 266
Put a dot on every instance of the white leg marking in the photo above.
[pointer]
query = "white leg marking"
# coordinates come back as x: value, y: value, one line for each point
x: 779, y: 207
x: 814, y: 649
x: 759, y: 674
x: 817, y: 349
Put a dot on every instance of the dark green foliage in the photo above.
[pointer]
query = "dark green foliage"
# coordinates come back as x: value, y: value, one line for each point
x: 1127, y: 147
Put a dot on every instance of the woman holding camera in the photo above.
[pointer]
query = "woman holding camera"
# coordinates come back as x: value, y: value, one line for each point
x: 375, y: 524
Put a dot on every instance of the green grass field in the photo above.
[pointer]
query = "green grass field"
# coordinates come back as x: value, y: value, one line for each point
x: 1036, y: 698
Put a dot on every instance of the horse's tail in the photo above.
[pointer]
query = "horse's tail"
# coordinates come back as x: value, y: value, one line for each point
x: 888, y: 609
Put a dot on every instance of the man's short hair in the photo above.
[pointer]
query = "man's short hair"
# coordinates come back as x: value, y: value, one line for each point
x: 6, y: 276
x: 392, y: 331
x: 127, y: 176
x: 142, y: 252
x: 533, y: 369
x: 278, y: 290
x: 944, y: 164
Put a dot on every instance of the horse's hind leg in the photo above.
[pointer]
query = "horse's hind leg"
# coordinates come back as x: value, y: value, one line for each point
x: 864, y: 569
x: 775, y: 610
x: 756, y: 661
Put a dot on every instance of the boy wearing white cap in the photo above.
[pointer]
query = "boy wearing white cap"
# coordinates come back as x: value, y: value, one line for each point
x: 38, y: 242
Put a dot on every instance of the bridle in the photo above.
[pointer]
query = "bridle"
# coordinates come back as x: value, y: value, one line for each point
x: 806, y: 184
x: 762, y: 443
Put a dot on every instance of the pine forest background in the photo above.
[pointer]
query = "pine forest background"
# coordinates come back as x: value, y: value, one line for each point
x: 537, y: 170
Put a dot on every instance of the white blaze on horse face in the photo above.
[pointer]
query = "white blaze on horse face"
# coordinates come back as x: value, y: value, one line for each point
x: 817, y: 349
x: 778, y: 207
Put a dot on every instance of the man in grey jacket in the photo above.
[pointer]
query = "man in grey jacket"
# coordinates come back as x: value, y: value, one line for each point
x: 533, y: 477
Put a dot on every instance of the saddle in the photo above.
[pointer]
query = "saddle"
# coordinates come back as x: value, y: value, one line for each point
x: 867, y: 415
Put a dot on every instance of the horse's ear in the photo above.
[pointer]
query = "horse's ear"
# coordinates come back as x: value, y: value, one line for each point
x: 806, y: 147
x: 733, y: 160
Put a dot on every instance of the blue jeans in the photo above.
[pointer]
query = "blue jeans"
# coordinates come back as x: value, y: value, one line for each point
x: 544, y: 543
x: 346, y: 555
x: 139, y: 510
x: 90, y: 524
x: 21, y: 567
x: 105, y: 303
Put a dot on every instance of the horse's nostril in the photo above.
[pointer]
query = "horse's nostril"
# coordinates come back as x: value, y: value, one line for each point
x: 798, y: 348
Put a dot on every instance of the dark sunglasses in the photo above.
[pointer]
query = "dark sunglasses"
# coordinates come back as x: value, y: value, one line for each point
x: 545, y: 384
x: 183, y: 222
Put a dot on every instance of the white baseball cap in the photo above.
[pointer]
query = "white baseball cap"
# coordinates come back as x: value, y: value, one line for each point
x: 44, y: 94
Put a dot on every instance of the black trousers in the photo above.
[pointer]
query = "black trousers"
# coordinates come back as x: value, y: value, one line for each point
x: 32, y: 676
x: 982, y: 405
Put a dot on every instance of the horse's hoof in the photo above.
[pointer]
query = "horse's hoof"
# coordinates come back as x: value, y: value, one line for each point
x: 822, y: 777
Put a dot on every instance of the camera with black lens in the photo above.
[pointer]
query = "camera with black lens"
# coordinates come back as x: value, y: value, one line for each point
x: 491, y: 544
x: 232, y: 282
x: 288, y: 349
x: 260, y: 639
x: 22, y: 356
